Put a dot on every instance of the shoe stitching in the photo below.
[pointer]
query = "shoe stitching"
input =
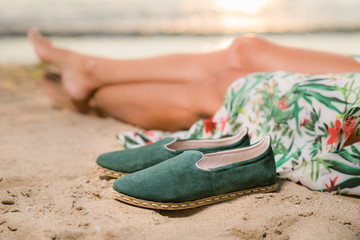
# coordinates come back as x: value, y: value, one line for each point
x: 201, y: 202
x: 114, y: 173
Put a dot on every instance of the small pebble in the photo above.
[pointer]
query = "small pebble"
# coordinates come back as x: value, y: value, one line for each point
x: 8, y: 202
x: 307, y: 214
x: 97, y: 195
x: 12, y: 228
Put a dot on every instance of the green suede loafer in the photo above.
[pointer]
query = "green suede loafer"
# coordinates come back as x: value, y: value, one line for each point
x: 194, y: 179
x: 119, y: 163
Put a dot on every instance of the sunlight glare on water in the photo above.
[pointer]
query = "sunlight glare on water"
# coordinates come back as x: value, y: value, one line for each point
x: 201, y: 17
x: 250, y: 7
x: 235, y: 14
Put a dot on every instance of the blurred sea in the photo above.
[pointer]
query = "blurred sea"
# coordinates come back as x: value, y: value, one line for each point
x: 138, y: 17
x: 138, y: 28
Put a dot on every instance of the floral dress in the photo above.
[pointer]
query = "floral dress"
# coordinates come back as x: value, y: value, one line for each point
x: 309, y: 118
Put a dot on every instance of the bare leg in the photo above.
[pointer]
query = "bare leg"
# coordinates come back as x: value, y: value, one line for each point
x: 84, y: 74
x: 154, y: 105
x: 190, y: 84
x: 260, y: 55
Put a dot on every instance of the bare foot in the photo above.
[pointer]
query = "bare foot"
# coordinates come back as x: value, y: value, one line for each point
x: 51, y: 84
x: 76, y: 78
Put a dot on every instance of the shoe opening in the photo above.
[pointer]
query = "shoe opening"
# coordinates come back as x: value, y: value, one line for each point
x: 219, y: 159
x: 206, y: 143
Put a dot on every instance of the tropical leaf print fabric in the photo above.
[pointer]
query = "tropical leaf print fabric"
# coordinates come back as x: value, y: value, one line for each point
x: 309, y: 118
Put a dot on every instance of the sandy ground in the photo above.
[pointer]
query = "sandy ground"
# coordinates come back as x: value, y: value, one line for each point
x: 49, y: 188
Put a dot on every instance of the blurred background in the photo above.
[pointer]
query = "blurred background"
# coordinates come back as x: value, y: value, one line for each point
x: 140, y: 28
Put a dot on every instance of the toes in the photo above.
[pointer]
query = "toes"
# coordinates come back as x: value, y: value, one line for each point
x: 31, y: 34
x: 41, y: 45
x: 41, y: 38
x: 35, y: 36
x: 44, y: 49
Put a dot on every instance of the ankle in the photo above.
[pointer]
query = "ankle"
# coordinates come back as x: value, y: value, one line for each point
x: 93, y: 70
x: 243, y: 49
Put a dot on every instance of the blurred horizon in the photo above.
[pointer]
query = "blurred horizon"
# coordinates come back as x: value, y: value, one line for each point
x: 142, y: 28
x: 173, y: 17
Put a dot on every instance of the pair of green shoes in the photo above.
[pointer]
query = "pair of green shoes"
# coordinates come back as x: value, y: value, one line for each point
x: 176, y: 174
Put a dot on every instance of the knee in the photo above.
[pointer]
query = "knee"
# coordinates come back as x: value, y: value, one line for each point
x: 245, y: 47
x: 247, y: 42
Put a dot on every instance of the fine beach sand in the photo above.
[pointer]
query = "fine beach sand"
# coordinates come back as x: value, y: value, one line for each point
x: 50, y: 189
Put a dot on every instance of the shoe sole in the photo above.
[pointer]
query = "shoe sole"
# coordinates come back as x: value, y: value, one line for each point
x: 191, y: 204
x: 109, y: 172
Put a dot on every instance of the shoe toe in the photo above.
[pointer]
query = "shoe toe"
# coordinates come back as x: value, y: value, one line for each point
x: 108, y: 160
x: 131, y: 185
x: 175, y: 180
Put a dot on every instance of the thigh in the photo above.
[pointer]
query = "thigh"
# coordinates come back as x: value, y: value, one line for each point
x: 261, y: 55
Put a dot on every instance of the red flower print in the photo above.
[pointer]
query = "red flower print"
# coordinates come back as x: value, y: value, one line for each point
x: 149, y: 133
x: 332, y: 184
x: 223, y: 122
x: 304, y: 122
x: 250, y: 134
x: 209, y: 125
x: 148, y: 142
x: 349, y: 126
x: 334, y: 132
x: 282, y: 104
